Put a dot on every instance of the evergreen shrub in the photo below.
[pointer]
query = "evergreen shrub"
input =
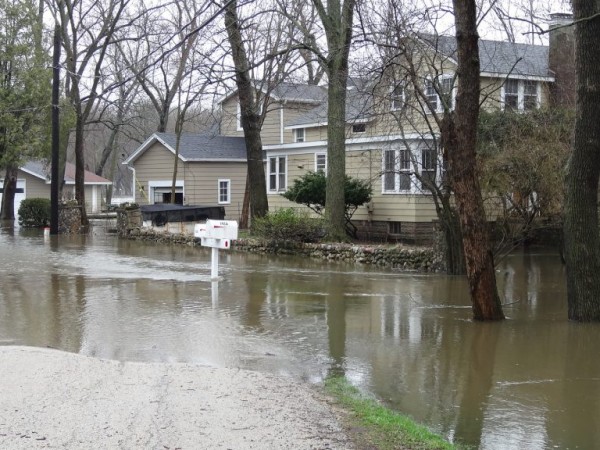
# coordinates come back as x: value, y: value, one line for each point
x: 34, y: 212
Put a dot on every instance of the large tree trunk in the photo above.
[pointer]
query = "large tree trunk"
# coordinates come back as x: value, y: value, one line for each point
x: 250, y: 115
x: 453, y: 246
x: 460, y: 138
x: 337, y: 21
x: 335, y: 206
x: 582, y: 243
x: 9, y: 190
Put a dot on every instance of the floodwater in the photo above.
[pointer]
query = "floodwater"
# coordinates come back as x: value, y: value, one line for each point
x: 530, y: 382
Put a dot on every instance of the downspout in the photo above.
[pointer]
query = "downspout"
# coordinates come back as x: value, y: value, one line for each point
x: 281, y: 121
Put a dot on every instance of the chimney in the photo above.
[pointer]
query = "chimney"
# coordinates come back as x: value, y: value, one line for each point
x: 561, y: 60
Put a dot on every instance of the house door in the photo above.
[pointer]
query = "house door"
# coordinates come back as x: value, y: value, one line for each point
x: 19, y: 196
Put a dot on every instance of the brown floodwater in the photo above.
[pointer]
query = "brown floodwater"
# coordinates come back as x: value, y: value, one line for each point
x: 532, y: 381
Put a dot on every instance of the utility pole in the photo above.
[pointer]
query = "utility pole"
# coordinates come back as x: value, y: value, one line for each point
x: 55, y: 182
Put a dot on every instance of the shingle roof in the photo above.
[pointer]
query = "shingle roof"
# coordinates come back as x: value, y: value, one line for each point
x: 299, y: 92
x: 41, y: 169
x: 198, y: 147
x: 358, y: 109
x: 500, y: 57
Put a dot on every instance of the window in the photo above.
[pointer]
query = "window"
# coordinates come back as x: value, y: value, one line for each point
x: 428, y: 166
x: 238, y: 118
x: 511, y: 94
x: 396, y: 170
x: 529, y: 95
x: 394, y: 227
x: 399, y: 166
x: 520, y: 95
x: 432, y: 97
x: 277, y: 173
x: 440, y: 93
x: 224, y: 191
x: 389, y: 171
x: 447, y: 87
x: 321, y: 162
x: 299, y: 135
x: 397, y: 97
x: 359, y: 128
x: 404, y: 170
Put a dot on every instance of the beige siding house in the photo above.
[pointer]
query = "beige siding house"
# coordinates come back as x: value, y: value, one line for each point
x: 392, y: 134
x: 211, y: 171
x: 33, y: 181
x: 392, y: 138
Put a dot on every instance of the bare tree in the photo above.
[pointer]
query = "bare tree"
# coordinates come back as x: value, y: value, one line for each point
x: 160, y: 61
x: 88, y: 30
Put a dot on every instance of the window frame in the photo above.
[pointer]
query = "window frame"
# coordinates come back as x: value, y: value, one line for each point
x: 356, y: 126
x: 525, y: 101
x: 275, y: 173
x: 220, y: 200
x: 396, y: 170
x: 431, y: 92
x: 323, y: 164
x: 297, y: 137
x: 398, y: 100
x: 238, y: 118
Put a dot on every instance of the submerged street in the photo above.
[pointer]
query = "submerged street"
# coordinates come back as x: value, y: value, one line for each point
x: 530, y: 382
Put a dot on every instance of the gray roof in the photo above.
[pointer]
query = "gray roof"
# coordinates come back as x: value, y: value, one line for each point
x: 38, y: 168
x: 206, y: 147
x: 500, y: 57
x: 299, y: 92
x: 358, y: 109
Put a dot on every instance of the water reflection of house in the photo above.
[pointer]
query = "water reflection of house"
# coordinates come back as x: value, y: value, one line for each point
x: 33, y: 181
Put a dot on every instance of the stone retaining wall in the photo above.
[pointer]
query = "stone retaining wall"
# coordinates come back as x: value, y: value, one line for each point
x: 400, y: 257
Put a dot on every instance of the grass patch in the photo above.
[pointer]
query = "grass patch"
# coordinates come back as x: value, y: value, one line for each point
x: 377, y: 427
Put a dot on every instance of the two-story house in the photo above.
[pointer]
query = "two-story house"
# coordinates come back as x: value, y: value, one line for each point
x: 392, y: 137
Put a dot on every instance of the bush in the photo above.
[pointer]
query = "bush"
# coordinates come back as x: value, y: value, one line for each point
x: 288, y: 225
x: 310, y: 190
x: 34, y: 212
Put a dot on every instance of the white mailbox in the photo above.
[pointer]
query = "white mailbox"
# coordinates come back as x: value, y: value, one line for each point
x: 216, y: 234
x: 217, y: 229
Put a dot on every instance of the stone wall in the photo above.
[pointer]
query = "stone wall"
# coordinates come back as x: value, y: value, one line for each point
x: 396, y: 256
x: 400, y: 257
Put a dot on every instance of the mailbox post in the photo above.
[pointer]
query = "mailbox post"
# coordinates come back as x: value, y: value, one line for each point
x: 216, y: 234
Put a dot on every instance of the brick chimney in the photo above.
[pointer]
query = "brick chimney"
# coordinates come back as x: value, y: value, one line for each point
x: 561, y: 59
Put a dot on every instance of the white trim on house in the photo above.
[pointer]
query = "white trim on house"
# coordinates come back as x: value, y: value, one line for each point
x: 548, y: 79
x: 228, y: 183
x: 306, y: 125
x: 277, y: 174
x: 317, y: 164
x: 521, y: 94
x: 238, y: 118
x: 349, y: 141
x: 281, y: 123
x: 152, y: 184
